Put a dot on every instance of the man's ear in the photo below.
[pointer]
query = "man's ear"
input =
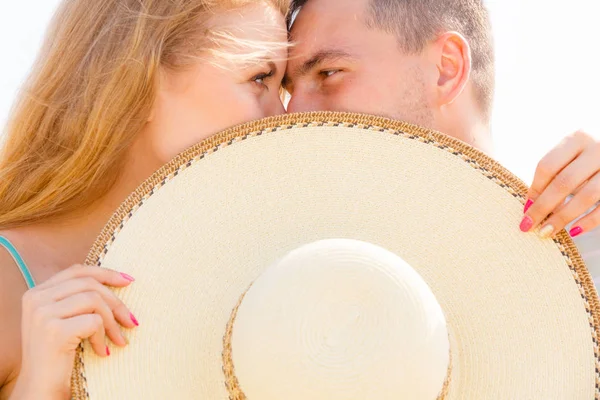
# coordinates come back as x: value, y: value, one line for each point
x: 453, y: 58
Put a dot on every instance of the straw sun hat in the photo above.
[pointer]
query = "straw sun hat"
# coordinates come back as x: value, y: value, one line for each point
x: 329, y: 256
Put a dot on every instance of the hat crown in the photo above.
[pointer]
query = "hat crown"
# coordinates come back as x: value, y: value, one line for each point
x: 340, y: 319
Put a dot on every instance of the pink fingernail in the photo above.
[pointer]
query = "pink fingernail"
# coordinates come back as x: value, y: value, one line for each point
x: 576, y: 231
x: 107, y: 351
x: 527, y: 205
x: 526, y: 224
x: 128, y: 277
x: 134, y: 320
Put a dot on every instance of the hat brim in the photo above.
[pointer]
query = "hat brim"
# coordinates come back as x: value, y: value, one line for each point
x: 522, y: 312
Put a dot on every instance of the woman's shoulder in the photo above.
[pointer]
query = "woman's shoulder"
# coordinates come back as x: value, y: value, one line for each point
x: 12, y: 265
x: 12, y: 284
x: 12, y: 288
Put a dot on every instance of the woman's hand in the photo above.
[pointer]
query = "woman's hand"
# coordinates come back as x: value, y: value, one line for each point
x: 73, y: 305
x: 571, y: 168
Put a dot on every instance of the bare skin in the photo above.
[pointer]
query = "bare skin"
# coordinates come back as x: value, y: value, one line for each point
x: 338, y: 63
x: 42, y: 327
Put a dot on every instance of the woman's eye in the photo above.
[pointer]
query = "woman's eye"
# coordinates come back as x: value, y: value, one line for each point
x: 329, y: 72
x: 262, y: 77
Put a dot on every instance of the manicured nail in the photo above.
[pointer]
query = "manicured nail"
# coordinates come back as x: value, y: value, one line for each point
x: 134, y: 320
x: 576, y: 231
x: 546, y: 231
x: 526, y: 224
x: 107, y: 351
x: 528, y: 205
x: 128, y: 277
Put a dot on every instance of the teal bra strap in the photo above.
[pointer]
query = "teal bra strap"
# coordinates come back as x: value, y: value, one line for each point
x: 20, y: 263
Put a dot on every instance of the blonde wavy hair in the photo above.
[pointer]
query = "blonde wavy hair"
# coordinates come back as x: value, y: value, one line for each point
x: 91, y: 91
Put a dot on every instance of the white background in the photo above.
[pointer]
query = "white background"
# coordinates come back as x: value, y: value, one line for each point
x: 548, y: 70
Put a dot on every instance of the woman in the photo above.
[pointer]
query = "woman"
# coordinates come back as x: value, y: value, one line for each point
x: 120, y: 87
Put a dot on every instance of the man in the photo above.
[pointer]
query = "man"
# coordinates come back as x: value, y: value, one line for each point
x: 431, y: 62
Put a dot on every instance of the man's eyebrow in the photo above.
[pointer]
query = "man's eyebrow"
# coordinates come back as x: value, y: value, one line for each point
x: 316, y: 60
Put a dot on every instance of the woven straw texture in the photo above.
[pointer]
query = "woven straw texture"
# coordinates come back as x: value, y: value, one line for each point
x: 522, y: 312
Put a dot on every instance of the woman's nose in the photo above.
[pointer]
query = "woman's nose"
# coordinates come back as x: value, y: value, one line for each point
x: 275, y: 108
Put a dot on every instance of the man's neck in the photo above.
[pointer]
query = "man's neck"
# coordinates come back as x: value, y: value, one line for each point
x: 475, y: 134
x: 463, y: 120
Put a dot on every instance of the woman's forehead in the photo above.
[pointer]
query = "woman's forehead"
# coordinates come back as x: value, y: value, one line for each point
x: 252, y: 35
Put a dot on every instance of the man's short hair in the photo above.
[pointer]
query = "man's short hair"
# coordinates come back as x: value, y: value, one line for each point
x: 417, y: 22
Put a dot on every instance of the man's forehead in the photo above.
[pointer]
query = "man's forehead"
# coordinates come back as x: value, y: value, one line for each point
x: 323, y: 31
x: 321, y: 24
x: 318, y: 13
